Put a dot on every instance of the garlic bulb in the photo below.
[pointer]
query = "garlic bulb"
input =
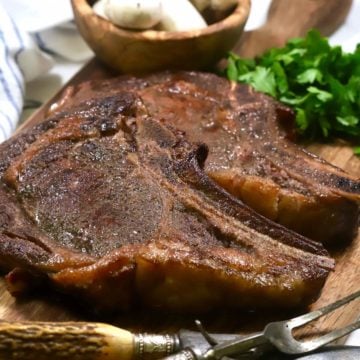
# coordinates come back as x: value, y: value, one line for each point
x: 99, y: 8
x: 166, y: 15
x: 134, y: 14
x: 180, y: 15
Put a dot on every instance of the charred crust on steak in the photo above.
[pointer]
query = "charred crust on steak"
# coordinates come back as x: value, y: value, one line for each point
x: 250, y: 152
x: 110, y: 202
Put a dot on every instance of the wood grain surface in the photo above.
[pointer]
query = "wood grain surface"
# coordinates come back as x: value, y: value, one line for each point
x: 343, y: 281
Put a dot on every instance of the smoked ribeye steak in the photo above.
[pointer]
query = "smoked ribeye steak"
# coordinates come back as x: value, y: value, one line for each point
x: 113, y: 206
x: 249, y: 152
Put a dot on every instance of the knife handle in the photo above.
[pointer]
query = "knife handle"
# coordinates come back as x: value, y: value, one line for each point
x: 79, y: 341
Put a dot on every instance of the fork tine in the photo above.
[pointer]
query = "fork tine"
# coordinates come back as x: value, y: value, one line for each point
x: 314, y: 344
x: 306, y: 318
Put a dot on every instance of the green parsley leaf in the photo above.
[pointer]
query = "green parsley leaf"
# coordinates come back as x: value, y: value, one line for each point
x: 231, y: 70
x: 263, y: 80
x: 349, y: 120
x: 322, y: 95
x: 301, y: 119
x: 357, y: 150
x: 309, y: 76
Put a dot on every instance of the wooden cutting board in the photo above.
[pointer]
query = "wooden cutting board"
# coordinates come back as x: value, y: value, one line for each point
x: 344, y: 280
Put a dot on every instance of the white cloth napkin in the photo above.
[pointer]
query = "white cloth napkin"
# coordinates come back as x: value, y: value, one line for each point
x: 37, y: 15
x: 20, y: 60
x: 31, y: 34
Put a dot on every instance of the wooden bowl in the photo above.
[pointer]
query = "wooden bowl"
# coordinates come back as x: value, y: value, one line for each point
x: 150, y: 50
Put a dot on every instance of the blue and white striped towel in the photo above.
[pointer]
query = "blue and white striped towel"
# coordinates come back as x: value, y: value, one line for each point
x: 20, y: 61
x: 31, y: 33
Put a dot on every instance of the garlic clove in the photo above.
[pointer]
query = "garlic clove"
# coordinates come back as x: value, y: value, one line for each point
x: 134, y: 14
x: 180, y: 15
x: 99, y: 8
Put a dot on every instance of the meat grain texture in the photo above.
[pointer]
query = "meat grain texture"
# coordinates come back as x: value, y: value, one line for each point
x: 250, y: 153
x: 115, y: 198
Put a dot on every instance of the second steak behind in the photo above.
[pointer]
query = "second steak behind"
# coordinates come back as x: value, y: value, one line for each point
x: 249, y: 154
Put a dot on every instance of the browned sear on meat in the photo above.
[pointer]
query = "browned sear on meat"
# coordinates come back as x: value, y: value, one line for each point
x: 110, y: 202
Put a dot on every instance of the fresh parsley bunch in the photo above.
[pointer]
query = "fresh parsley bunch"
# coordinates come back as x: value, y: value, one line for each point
x: 322, y: 84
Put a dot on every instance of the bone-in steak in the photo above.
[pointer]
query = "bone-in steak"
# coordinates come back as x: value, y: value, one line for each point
x: 112, y: 205
x: 250, y: 155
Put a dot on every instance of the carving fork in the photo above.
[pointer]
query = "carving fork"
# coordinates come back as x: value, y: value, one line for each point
x: 276, y: 334
x: 96, y: 341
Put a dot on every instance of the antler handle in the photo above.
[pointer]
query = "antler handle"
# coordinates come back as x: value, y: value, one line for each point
x: 79, y: 341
